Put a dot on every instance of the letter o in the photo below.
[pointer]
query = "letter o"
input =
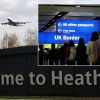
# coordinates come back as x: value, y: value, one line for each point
x: 38, y: 79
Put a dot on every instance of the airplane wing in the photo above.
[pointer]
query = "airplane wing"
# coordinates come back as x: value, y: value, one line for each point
x: 7, y: 23
x: 22, y: 22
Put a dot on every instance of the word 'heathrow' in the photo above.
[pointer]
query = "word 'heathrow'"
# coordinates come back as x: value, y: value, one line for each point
x: 56, y: 78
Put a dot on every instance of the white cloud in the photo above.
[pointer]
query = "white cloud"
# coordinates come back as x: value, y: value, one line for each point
x: 66, y: 2
x: 3, y: 13
x: 7, y: 4
x: 54, y: 1
x: 88, y: 1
